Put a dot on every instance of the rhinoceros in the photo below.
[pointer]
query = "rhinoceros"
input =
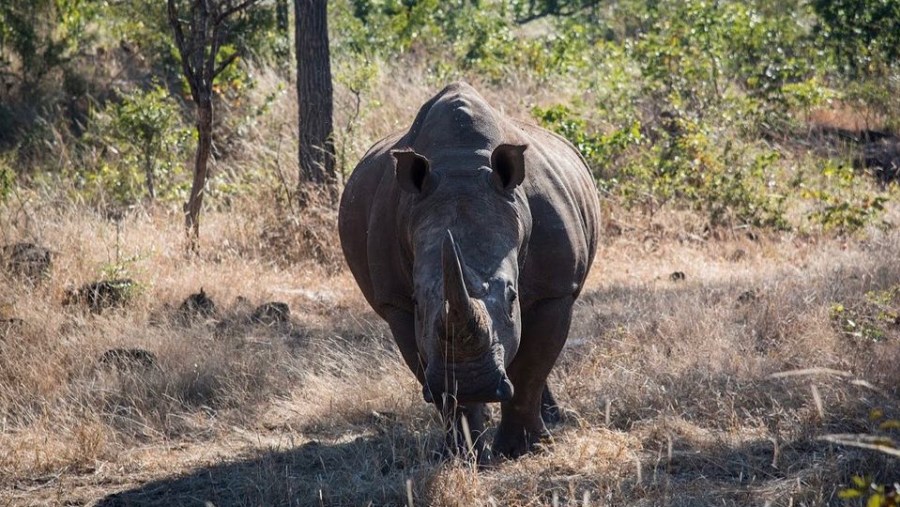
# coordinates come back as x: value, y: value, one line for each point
x: 471, y: 234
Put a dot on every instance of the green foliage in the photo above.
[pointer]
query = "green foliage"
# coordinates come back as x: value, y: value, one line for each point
x: 880, y: 438
x: 872, y: 317
x: 37, y: 36
x: 144, y: 144
x: 677, y: 162
x: 863, y: 35
x: 526, y: 10
x: 679, y: 55
x: 697, y: 56
x: 7, y: 179
x: 843, y: 205
x: 694, y: 104
x: 874, y: 494
x: 599, y: 150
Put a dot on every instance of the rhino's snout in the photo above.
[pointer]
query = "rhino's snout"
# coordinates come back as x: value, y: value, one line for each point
x: 500, y: 390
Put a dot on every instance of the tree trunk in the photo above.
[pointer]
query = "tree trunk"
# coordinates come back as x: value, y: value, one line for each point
x: 281, y: 16
x: 314, y: 94
x: 148, y: 172
x: 201, y: 170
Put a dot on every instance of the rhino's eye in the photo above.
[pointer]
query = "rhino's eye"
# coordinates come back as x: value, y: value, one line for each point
x: 513, y: 296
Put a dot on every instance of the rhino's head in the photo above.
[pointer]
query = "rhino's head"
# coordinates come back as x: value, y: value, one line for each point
x: 466, y: 228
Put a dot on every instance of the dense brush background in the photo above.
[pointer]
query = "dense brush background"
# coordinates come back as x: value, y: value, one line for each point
x: 751, y: 147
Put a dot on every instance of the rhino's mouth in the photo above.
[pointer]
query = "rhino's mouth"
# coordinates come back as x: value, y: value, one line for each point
x: 467, y: 382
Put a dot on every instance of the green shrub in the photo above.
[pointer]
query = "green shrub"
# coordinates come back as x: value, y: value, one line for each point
x: 38, y: 36
x: 843, y: 204
x: 863, y: 35
x: 7, y: 179
x: 678, y: 163
x: 143, y: 143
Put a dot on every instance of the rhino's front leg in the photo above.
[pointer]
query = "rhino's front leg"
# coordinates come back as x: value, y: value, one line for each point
x: 457, y: 443
x: 545, y: 326
x: 403, y: 329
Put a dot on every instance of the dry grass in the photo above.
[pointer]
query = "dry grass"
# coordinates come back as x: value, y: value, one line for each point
x: 668, y: 383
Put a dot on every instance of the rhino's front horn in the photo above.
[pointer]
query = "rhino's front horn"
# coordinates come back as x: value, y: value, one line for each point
x: 459, y: 307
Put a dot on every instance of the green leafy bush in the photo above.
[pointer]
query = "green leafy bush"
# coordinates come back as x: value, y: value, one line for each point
x: 676, y: 162
x: 843, y: 205
x: 863, y: 35
x: 7, y: 179
x: 142, y: 142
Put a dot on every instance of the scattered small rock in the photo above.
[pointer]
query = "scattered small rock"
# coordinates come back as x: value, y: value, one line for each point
x: 612, y: 228
x: 123, y: 359
x: 747, y: 297
x: 28, y: 260
x: 270, y: 314
x: 197, y: 306
x: 99, y: 296
x: 737, y: 255
x: 678, y: 276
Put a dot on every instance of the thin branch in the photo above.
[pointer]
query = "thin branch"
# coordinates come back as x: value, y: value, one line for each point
x: 863, y: 441
x: 239, y: 7
x: 176, y: 25
x: 231, y: 58
x: 809, y: 371
x: 209, y: 73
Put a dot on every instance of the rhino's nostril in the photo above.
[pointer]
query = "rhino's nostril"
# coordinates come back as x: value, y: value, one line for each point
x: 504, y: 389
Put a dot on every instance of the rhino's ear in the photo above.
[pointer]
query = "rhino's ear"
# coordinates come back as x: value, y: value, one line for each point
x: 508, y: 163
x: 411, y: 170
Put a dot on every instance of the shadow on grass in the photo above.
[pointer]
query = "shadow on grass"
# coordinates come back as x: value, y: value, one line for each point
x: 371, y: 469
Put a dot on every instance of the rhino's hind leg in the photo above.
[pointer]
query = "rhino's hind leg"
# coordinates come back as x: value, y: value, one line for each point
x: 550, y: 411
x: 544, y: 329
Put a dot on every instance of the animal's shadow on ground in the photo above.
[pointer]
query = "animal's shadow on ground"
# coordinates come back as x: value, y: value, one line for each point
x: 372, y: 469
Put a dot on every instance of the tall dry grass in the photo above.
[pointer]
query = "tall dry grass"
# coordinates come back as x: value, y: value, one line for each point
x: 668, y: 384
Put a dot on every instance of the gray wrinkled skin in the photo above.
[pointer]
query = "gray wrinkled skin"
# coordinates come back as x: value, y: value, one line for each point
x: 471, y: 234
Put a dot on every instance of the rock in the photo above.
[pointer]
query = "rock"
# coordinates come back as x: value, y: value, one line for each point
x: 27, y: 260
x: 98, y: 296
x: 747, y: 296
x: 737, y: 255
x: 197, y: 306
x: 127, y: 359
x: 270, y: 314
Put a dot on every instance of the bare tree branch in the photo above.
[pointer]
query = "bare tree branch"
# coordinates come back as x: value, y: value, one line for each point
x: 222, y: 66
x: 236, y: 8
x: 183, y: 50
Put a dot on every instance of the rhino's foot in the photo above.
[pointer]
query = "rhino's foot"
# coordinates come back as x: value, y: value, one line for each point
x: 513, y: 440
x: 451, y: 451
